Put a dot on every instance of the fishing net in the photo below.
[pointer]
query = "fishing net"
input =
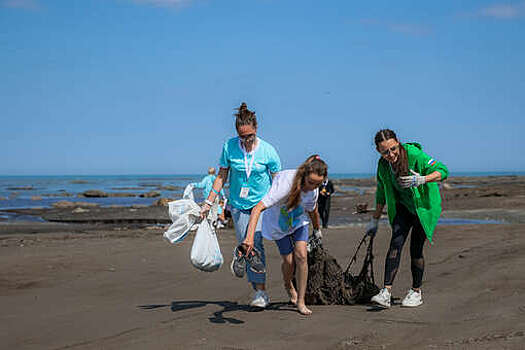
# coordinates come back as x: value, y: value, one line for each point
x: 328, y: 284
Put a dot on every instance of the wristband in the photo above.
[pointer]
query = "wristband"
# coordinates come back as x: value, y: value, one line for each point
x: 210, y: 203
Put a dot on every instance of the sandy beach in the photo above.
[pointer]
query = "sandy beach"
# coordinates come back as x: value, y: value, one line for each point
x: 106, y: 279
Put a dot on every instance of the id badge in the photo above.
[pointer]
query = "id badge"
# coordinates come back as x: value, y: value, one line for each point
x: 244, y: 192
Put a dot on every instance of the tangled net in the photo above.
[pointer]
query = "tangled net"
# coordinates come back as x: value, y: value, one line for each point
x: 329, y: 285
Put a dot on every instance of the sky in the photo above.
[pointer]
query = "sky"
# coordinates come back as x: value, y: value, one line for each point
x: 149, y: 86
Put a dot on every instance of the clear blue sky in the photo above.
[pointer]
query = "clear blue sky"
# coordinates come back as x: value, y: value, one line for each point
x: 149, y: 86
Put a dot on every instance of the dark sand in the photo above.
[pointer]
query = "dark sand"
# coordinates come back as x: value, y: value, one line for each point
x: 116, y: 284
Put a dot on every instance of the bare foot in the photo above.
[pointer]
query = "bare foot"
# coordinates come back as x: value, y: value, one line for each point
x: 303, y: 310
x: 292, y: 293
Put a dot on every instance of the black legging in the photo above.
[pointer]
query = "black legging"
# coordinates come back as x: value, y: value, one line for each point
x: 403, y: 222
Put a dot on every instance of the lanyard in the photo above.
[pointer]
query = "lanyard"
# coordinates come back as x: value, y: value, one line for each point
x: 248, y: 167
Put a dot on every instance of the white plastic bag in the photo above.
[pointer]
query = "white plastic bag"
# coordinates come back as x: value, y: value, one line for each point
x: 184, y: 213
x: 205, y: 252
x: 188, y: 192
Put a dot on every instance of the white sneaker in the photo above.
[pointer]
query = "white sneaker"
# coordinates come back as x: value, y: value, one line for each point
x: 382, y: 298
x: 412, y: 299
x: 260, y: 299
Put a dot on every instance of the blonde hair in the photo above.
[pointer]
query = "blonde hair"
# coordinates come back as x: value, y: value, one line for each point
x: 313, y: 164
x: 211, y: 171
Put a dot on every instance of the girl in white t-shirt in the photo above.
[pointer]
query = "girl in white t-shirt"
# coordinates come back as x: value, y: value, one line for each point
x: 293, y: 194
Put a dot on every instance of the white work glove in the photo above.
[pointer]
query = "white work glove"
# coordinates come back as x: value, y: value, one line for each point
x: 371, y: 228
x: 315, y: 240
x: 413, y: 180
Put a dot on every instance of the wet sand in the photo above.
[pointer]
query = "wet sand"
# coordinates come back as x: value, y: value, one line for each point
x: 118, y: 285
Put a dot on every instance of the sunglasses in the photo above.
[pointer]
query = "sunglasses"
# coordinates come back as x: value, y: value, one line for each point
x: 391, y: 149
x: 248, y: 137
x: 312, y: 183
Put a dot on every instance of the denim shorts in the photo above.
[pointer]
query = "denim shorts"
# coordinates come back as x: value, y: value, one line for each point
x: 287, y: 243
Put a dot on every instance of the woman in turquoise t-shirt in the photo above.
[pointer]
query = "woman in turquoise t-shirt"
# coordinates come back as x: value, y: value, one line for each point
x: 250, y: 163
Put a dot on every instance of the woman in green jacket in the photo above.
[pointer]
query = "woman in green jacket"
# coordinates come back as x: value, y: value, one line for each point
x: 406, y: 183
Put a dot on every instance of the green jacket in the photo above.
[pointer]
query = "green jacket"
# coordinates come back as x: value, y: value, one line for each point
x: 426, y: 197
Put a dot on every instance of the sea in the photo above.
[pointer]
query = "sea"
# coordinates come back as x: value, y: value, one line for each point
x: 42, y: 191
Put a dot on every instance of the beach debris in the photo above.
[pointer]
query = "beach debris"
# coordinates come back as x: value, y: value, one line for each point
x: 328, y: 284
x: 80, y: 210
x: 3, y: 198
x: 188, y: 192
x: 361, y: 208
x: 139, y: 206
x: 184, y: 214
x: 36, y: 198
x: 150, y: 194
x: 205, y: 252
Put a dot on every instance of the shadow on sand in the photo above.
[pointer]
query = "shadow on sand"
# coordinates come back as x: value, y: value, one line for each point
x: 218, y: 316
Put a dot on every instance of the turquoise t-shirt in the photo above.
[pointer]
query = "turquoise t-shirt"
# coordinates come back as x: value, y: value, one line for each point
x: 265, y: 163
x: 207, y: 184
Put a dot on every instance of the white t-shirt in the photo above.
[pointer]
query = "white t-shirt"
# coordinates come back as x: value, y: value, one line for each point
x: 278, y: 222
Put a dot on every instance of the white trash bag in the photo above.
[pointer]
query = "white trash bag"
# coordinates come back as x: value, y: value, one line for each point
x: 184, y: 213
x: 188, y: 192
x: 205, y: 252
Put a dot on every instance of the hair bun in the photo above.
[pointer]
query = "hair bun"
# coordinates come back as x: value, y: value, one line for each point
x: 243, y: 107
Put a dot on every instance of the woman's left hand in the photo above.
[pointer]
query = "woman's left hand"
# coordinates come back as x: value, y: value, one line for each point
x: 413, y: 180
x: 248, y: 245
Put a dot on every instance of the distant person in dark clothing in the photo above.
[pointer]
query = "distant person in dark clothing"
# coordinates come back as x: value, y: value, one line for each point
x: 323, y: 202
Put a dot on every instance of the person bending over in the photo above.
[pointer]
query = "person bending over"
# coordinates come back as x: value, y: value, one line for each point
x: 293, y: 194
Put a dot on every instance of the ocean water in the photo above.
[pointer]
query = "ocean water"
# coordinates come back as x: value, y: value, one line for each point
x: 21, y: 191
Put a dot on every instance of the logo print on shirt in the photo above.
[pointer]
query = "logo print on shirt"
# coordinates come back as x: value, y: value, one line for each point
x: 289, y: 219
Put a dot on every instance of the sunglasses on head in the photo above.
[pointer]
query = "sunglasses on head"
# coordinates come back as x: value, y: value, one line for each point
x: 391, y: 149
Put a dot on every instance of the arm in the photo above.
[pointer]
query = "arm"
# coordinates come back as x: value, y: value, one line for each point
x: 331, y: 189
x: 217, y: 186
x: 314, y: 217
x: 252, y: 225
x: 433, y: 177
x: 371, y: 228
x: 430, y: 171
x: 379, y: 210
x: 199, y: 184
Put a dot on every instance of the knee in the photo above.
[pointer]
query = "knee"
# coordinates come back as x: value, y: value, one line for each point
x: 300, y: 257
x: 396, y: 243
x: 288, y: 260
